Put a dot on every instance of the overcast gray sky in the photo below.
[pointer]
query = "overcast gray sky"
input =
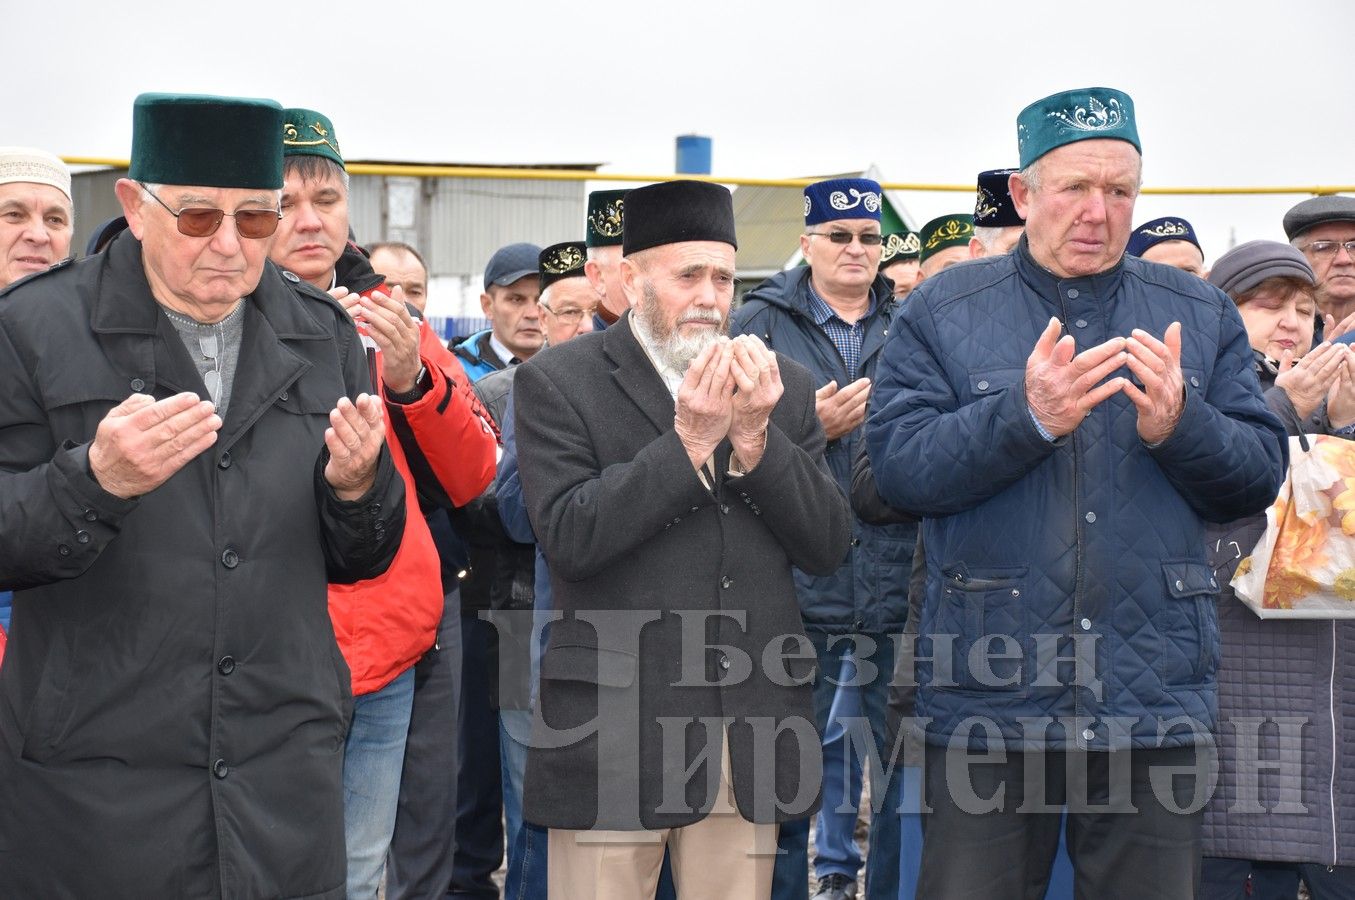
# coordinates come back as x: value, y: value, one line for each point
x: 1238, y: 93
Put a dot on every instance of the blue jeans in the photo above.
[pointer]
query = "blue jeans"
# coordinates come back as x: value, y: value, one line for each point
x: 876, y: 669
x: 374, y: 756
x: 836, y: 851
x: 515, y: 735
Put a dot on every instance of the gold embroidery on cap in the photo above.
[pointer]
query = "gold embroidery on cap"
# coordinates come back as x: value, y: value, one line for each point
x: 292, y: 138
x: 950, y: 230
x: 609, y: 220
x: 563, y: 260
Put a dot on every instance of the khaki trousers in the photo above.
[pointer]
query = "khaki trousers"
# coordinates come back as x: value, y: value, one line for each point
x: 721, y: 857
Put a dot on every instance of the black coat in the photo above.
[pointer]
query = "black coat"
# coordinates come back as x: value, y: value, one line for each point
x: 628, y: 529
x: 173, y: 705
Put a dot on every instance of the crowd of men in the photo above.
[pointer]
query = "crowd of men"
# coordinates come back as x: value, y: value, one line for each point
x: 629, y: 588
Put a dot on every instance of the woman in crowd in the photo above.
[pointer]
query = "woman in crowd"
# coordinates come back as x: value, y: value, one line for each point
x: 1293, y: 815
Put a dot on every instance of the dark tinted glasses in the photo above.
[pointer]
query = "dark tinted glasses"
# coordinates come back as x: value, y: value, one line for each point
x: 201, y: 221
x: 869, y: 239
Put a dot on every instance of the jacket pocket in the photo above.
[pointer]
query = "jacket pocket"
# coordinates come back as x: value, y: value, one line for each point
x: 53, y: 702
x: 1187, y: 623
x: 981, y: 630
x: 592, y: 665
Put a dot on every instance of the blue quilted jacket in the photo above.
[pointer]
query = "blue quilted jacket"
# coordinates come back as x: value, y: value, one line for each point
x: 1066, y: 581
x: 869, y: 591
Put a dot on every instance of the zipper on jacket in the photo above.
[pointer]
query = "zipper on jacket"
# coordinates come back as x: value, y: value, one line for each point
x: 1331, y: 709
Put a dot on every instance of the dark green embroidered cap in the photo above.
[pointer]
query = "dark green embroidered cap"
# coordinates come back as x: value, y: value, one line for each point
x: 899, y: 246
x: 306, y: 132
x: 206, y: 141
x: 606, y: 218
x: 1077, y: 115
x: 946, y: 231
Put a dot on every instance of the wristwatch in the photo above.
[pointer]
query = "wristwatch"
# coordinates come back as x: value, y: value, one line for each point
x: 414, y: 393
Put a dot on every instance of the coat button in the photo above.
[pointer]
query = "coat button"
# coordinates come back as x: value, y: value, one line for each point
x: 291, y: 276
x: 856, y: 542
x: 230, y: 559
x: 1088, y: 734
x: 283, y: 396
x: 1086, y: 624
x: 695, y: 509
x: 226, y: 665
x: 724, y: 661
x: 82, y: 537
x: 859, y: 625
x: 225, y: 459
x: 1194, y: 382
x: 138, y: 385
x: 1180, y: 585
x: 1090, y: 517
x: 91, y: 516
x: 63, y: 550
x: 1081, y: 323
x: 677, y: 519
x: 725, y: 582
x: 374, y: 507
x: 983, y: 385
x: 220, y: 769
x: 1072, y: 293
x: 724, y: 508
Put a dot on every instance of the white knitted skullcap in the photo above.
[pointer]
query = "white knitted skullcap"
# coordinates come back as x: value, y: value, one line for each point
x: 29, y: 164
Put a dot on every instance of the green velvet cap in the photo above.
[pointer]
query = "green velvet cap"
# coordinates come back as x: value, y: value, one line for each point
x: 306, y: 132
x: 899, y: 246
x: 606, y: 225
x: 206, y: 141
x: 1077, y: 115
x: 946, y: 231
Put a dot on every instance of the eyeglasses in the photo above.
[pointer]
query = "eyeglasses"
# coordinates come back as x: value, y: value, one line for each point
x: 1329, y: 248
x: 868, y: 239
x: 200, y: 221
x: 570, y: 315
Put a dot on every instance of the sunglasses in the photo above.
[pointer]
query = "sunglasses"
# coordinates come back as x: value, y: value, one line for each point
x: 868, y: 239
x: 204, y: 221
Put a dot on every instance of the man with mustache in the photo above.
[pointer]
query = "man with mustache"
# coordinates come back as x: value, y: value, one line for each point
x: 674, y: 477
x: 831, y: 316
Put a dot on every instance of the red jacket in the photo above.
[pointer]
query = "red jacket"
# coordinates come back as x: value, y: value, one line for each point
x: 443, y: 445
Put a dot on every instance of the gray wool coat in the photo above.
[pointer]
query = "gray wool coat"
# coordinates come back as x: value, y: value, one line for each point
x: 674, y: 600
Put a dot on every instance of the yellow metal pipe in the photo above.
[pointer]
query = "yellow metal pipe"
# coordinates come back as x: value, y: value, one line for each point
x: 424, y: 171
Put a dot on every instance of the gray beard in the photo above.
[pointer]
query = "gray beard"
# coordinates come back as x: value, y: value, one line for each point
x: 675, y: 351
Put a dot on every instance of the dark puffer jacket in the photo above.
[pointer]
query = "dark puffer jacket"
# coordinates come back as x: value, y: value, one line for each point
x: 869, y: 592
x: 1299, y: 676
x: 1093, y: 541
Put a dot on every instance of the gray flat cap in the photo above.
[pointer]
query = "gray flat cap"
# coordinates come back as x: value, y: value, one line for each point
x: 1316, y: 211
x: 1247, y: 265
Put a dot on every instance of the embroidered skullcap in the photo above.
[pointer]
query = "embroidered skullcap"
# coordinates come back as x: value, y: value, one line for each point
x: 34, y: 166
x: 993, y: 206
x: 674, y: 212
x: 306, y: 132
x: 606, y: 218
x: 561, y: 261
x: 946, y: 231
x: 1168, y: 228
x: 206, y: 141
x: 842, y: 198
x: 899, y: 246
x: 1077, y: 115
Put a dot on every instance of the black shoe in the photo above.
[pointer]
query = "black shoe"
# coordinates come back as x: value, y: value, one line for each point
x: 836, y: 887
